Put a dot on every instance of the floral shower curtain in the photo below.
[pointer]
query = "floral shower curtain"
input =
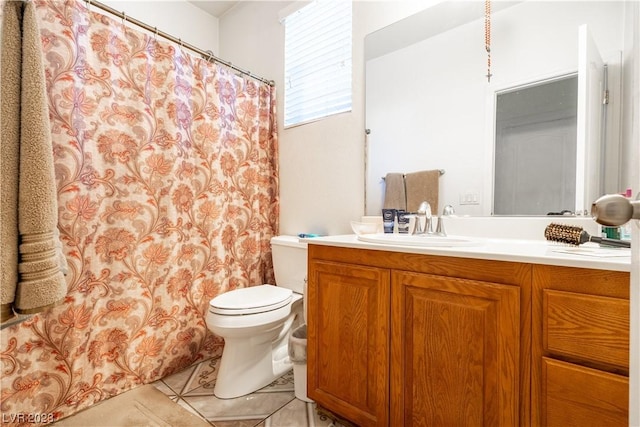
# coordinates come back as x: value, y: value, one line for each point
x: 166, y: 169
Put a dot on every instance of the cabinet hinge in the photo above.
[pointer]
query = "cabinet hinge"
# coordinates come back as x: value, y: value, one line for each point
x: 605, y: 97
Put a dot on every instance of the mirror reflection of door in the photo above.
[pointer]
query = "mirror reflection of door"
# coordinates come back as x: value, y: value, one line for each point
x: 535, y: 148
x: 592, y: 110
x: 550, y: 140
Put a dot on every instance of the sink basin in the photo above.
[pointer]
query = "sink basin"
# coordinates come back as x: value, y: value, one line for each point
x: 424, y: 240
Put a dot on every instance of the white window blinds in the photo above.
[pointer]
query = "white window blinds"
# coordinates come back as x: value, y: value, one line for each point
x: 317, y: 61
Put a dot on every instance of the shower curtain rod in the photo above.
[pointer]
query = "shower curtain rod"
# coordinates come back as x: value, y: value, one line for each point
x: 208, y: 54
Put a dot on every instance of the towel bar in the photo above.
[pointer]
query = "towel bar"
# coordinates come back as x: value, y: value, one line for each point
x: 439, y: 170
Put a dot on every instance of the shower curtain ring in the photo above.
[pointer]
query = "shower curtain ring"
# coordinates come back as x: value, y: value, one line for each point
x: 124, y: 17
x: 155, y: 33
x: 210, y: 52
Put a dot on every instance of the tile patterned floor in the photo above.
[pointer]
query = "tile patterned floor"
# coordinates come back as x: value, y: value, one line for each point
x: 272, y: 406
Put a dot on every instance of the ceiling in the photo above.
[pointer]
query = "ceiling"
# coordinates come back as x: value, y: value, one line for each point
x: 214, y: 7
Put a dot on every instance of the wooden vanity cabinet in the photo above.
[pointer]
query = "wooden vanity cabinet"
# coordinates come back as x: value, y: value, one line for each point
x: 399, y: 339
x: 580, y: 329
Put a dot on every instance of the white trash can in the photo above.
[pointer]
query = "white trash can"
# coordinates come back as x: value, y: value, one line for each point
x: 298, y: 356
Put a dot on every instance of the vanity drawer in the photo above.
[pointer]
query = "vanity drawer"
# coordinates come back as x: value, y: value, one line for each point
x: 573, y: 395
x: 589, y: 327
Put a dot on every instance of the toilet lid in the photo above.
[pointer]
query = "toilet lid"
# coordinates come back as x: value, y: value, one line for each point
x: 251, y: 300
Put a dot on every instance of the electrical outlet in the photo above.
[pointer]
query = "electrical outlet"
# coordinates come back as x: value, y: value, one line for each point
x: 469, y: 198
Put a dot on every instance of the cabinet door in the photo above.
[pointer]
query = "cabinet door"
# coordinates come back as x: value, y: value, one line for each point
x: 348, y: 336
x: 574, y: 395
x: 455, y: 352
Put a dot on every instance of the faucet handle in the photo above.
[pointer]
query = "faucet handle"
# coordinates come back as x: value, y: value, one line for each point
x: 425, y: 209
x: 417, y: 228
x: 440, y: 227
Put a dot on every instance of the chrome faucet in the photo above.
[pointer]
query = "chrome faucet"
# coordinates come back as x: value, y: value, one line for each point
x: 424, y: 210
x: 448, y: 210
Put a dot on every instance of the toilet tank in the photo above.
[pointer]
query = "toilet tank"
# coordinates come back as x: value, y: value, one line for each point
x: 289, y: 262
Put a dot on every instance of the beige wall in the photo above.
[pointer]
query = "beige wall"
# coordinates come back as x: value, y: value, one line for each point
x: 178, y: 18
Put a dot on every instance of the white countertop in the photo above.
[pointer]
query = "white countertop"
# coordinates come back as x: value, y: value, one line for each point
x: 588, y: 255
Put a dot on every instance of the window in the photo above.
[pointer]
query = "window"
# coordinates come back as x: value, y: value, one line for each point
x: 317, y: 61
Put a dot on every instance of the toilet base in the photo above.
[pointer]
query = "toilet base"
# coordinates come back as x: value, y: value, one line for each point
x: 248, y: 365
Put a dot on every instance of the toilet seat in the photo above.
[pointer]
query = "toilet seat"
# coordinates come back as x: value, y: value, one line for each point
x: 251, y: 300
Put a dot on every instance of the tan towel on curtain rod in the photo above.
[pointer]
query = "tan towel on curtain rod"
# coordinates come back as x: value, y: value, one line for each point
x: 9, y: 154
x: 394, y: 192
x: 421, y: 186
x: 27, y: 169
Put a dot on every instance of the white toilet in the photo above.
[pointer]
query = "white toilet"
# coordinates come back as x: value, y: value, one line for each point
x: 255, y: 323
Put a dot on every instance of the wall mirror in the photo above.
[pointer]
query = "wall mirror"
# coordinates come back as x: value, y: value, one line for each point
x: 429, y: 104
